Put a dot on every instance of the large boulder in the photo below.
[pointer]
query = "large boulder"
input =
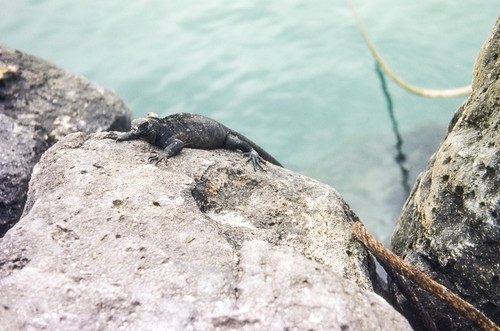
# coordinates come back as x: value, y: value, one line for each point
x: 203, y: 242
x: 449, y: 227
x: 39, y: 104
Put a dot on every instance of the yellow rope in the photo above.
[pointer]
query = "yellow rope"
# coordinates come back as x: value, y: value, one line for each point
x: 449, y: 93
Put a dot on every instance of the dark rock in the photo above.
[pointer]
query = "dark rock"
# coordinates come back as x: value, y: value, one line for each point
x: 39, y: 104
x: 449, y: 227
x: 204, y: 242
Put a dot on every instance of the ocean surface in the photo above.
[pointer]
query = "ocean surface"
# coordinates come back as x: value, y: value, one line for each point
x: 294, y: 76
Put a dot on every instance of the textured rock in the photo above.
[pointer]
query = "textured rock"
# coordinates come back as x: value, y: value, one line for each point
x: 109, y: 241
x: 39, y: 104
x: 19, y: 150
x: 449, y: 227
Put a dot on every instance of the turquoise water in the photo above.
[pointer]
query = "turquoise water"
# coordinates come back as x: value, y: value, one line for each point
x: 294, y: 76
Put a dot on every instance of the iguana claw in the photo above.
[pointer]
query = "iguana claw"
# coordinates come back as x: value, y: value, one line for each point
x: 157, y: 157
x: 256, y: 159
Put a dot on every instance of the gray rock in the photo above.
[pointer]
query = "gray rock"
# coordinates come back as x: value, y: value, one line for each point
x: 19, y: 152
x: 449, y: 227
x: 110, y: 241
x: 39, y: 104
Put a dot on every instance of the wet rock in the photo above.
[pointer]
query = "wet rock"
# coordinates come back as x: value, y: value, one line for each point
x: 449, y: 227
x: 203, y: 242
x: 39, y: 104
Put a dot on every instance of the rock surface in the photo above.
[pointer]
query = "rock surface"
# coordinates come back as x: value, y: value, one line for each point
x: 39, y: 104
x: 109, y: 241
x: 449, y: 227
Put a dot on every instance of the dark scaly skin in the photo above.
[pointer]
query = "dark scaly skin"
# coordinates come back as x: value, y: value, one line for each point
x: 174, y: 132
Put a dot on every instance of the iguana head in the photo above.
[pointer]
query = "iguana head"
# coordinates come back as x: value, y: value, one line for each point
x: 144, y: 126
x: 153, y: 115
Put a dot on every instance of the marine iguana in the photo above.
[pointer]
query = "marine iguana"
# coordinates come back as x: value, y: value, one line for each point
x: 174, y: 132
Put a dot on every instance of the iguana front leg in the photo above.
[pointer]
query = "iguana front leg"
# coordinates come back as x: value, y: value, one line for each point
x: 174, y: 146
x: 122, y: 136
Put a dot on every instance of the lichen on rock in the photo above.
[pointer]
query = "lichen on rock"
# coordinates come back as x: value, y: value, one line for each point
x: 449, y: 227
